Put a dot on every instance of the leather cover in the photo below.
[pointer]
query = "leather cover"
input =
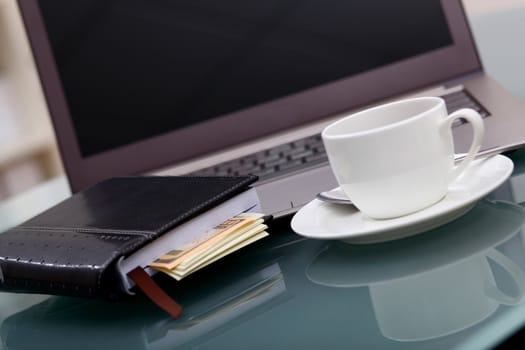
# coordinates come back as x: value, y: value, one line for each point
x: 73, y: 248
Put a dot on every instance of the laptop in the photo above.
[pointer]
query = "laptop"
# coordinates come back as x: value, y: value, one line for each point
x: 231, y: 87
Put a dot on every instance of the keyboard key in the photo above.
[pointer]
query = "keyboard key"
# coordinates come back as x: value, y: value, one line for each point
x: 263, y: 159
x: 300, y: 155
x: 275, y: 162
x: 245, y: 170
x: 462, y: 99
x: 291, y: 164
x: 265, y: 173
x: 316, y: 157
x: 280, y: 149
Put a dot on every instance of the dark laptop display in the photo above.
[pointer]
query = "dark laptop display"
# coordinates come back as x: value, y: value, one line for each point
x: 135, y: 69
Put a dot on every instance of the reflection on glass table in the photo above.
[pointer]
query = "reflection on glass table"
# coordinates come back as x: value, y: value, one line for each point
x: 436, y: 284
x: 67, y: 323
x: 462, y: 281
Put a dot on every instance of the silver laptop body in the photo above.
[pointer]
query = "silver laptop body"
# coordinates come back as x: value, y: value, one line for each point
x: 299, y: 33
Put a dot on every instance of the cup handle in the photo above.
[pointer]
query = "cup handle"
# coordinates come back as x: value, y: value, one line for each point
x: 517, y: 275
x: 476, y: 121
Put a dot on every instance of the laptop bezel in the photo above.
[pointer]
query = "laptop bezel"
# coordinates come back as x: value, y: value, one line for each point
x: 248, y: 124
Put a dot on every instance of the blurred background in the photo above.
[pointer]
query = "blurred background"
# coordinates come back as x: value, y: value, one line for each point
x: 28, y: 152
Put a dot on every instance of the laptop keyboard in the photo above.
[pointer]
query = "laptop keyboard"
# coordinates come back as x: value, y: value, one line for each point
x: 463, y: 99
x: 309, y: 151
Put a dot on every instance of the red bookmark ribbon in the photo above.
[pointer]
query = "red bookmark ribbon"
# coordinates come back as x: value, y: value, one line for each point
x: 154, y: 292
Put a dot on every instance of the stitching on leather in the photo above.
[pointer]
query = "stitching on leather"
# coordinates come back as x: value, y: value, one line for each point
x: 147, y: 234
x: 52, y: 285
x: 100, y: 269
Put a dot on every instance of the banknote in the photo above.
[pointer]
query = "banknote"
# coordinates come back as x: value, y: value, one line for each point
x: 182, y: 271
x: 192, y: 265
x: 220, y: 233
x: 229, y: 241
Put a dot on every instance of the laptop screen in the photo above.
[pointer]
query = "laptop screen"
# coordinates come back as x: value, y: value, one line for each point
x: 131, y: 71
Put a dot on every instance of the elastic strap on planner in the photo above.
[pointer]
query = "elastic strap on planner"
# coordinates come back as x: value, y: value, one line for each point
x: 154, y: 292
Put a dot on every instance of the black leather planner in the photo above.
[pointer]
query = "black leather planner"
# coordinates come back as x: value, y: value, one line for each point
x: 75, y: 247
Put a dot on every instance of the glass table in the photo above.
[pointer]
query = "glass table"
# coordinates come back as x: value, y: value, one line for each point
x: 458, y: 286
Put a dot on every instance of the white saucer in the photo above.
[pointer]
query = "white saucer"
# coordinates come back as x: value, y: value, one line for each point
x: 322, y: 220
x: 487, y: 225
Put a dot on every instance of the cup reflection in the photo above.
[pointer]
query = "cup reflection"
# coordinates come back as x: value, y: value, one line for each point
x: 434, y: 284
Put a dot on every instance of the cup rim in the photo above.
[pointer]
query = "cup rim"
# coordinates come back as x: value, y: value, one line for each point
x: 326, y: 131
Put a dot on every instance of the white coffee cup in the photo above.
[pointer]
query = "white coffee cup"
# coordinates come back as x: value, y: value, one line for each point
x: 398, y: 158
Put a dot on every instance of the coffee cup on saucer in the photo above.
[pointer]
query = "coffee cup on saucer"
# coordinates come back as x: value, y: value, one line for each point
x: 398, y: 158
